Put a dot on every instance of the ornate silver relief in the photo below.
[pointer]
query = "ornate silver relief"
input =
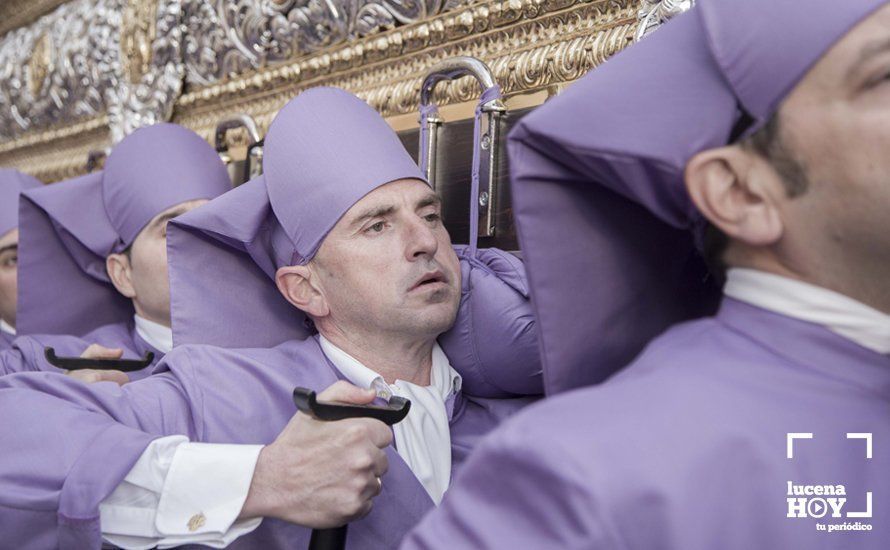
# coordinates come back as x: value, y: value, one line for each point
x: 228, y: 36
x: 57, y: 69
x: 149, y: 66
x: 90, y: 58
x: 655, y: 13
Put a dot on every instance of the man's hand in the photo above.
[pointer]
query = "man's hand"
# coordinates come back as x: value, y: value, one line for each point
x: 91, y: 376
x: 95, y: 351
x: 321, y: 474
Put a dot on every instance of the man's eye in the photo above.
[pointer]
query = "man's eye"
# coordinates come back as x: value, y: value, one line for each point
x: 377, y: 227
x: 432, y: 217
x: 10, y: 262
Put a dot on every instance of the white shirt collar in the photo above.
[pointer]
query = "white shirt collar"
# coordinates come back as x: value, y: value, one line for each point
x: 443, y: 377
x: 840, y: 314
x: 6, y: 327
x: 423, y: 438
x: 156, y: 335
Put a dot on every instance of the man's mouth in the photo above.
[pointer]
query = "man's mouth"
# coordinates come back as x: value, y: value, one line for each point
x: 430, y: 280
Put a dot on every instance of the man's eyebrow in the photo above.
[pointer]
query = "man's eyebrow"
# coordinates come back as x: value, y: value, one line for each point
x: 869, y: 52
x: 374, y: 212
x: 7, y: 248
x: 429, y: 200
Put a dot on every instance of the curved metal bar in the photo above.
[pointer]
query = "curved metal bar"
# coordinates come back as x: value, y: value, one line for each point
x: 457, y: 67
x: 489, y: 114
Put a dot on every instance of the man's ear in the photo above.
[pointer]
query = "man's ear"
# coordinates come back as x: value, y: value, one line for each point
x: 738, y: 192
x: 299, y: 286
x: 120, y: 272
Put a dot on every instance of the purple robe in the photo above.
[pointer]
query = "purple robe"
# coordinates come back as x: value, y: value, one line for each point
x: 686, y: 449
x: 64, y: 466
x: 26, y: 353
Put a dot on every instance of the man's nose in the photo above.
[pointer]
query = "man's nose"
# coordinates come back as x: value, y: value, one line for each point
x: 421, y: 240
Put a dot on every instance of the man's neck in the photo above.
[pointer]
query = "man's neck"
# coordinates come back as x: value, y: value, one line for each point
x: 392, y: 358
x: 848, y: 282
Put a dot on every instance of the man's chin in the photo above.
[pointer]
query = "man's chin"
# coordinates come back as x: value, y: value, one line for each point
x: 436, y: 318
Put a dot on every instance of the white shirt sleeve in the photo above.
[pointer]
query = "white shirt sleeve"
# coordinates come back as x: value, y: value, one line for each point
x: 181, y: 493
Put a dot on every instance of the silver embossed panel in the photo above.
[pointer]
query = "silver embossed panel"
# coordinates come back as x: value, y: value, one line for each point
x: 226, y: 37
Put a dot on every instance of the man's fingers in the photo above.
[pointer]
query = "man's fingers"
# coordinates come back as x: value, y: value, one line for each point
x: 381, y: 465
x: 372, y: 488
x: 379, y: 433
x: 91, y: 376
x: 96, y: 351
x: 344, y: 392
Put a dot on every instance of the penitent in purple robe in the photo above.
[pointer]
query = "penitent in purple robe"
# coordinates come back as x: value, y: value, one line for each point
x: 281, y: 217
x: 27, y: 353
x: 89, y: 437
x: 60, y: 469
x: 69, y: 228
x: 686, y: 448
x: 66, y: 299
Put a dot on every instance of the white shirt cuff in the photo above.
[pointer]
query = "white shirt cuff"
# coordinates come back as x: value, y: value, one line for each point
x: 205, y: 489
x: 182, y: 493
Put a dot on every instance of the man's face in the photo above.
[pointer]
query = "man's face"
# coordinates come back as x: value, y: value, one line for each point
x: 148, y: 278
x: 836, y: 122
x: 9, y: 255
x: 388, y: 264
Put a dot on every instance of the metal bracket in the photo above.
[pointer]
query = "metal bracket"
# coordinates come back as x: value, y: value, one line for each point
x: 249, y: 152
x: 96, y: 159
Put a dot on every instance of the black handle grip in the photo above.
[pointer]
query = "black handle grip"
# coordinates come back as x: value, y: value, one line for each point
x: 328, y: 539
x: 390, y: 414
x: 81, y: 363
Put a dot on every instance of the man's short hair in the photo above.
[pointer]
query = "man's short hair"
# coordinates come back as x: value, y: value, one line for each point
x: 769, y: 144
